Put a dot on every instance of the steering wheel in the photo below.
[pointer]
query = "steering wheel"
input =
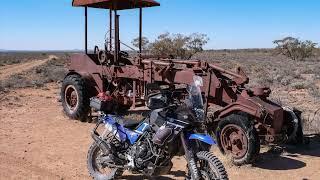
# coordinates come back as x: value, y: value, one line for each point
x: 96, y: 50
x: 124, y: 54
x: 102, y: 56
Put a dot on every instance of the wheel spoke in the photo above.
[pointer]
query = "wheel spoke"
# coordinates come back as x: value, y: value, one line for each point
x: 98, y: 163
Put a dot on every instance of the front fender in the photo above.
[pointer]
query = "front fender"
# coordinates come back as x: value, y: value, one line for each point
x: 202, y: 137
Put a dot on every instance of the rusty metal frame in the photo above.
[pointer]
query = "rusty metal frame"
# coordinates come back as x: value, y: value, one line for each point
x: 86, y: 30
x: 115, y: 4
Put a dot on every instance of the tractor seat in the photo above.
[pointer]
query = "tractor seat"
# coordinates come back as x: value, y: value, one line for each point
x: 126, y: 122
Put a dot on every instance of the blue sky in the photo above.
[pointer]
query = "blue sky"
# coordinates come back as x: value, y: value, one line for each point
x: 55, y: 25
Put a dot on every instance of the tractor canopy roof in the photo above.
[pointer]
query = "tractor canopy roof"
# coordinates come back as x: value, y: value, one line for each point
x: 115, y: 4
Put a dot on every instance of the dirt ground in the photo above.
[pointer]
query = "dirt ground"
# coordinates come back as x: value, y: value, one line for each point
x: 38, y: 142
x: 9, y: 70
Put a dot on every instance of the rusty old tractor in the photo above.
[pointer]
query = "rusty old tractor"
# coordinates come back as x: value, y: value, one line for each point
x: 245, y: 117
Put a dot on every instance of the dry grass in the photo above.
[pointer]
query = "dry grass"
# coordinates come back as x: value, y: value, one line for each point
x: 311, y: 122
x: 265, y: 69
x: 52, y: 71
x: 7, y: 58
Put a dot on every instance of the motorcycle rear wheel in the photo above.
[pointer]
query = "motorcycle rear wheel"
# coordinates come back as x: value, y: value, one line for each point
x: 96, y: 169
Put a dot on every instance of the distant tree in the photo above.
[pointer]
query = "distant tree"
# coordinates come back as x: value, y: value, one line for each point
x: 144, y: 43
x: 163, y: 45
x: 197, y: 41
x: 295, y: 48
x: 178, y: 45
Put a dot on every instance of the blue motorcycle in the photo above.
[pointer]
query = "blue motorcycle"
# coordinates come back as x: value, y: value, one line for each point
x: 171, y: 129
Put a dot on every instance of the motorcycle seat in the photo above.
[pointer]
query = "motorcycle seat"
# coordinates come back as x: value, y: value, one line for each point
x: 126, y: 122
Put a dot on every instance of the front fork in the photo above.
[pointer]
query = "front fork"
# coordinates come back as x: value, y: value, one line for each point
x: 190, y: 158
x: 98, y: 140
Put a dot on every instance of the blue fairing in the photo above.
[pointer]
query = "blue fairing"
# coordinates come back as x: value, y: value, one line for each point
x: 203, y: 137
x: 124, y: 133
x: 133, y: 136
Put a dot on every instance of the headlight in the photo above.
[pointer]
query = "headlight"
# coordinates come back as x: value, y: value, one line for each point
x: 199, y: 114
x: 198, y: 81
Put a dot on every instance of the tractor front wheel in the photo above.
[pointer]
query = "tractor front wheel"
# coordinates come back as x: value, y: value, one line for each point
x: 238, y: 138
x: 75, y: 98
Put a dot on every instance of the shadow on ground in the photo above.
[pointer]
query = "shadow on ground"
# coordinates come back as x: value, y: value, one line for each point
x: 175, y: 174
x: 285, y: 157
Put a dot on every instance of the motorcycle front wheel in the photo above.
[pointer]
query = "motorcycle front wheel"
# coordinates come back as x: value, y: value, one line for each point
x: 97, y: 169
x: 210, y: 167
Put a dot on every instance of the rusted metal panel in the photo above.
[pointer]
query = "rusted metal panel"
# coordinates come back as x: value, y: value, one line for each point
x: 131, y: 72
x: 116, y: 4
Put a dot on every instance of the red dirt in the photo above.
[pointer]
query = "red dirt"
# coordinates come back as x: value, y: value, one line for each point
x: 38, y: 142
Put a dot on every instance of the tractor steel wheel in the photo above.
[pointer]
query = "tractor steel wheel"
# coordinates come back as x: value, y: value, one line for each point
x: 238, y: 138
x: 75, y: 99
x: 234, y: 140
x: 71, y: 97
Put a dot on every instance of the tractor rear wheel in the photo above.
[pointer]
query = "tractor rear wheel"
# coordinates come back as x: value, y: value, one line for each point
x: 238, y: 138
x: 75, y: 98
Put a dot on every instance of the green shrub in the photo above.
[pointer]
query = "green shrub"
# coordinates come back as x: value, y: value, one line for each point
x: 144, y: 45
x: 294, y: 48
x: 298, y: 85
x: 174, y: 45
